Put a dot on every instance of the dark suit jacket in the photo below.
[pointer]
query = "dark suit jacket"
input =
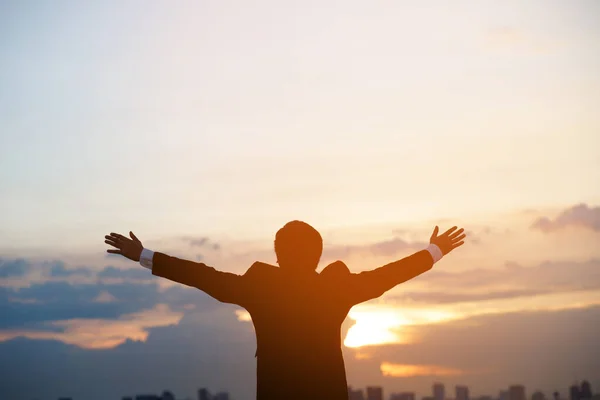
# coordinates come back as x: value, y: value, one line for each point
x: 297, y: 316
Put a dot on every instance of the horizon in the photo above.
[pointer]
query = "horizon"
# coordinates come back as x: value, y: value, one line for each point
x: 204, y: 127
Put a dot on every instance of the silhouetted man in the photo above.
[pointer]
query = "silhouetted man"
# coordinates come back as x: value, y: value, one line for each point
x: 297, y: 313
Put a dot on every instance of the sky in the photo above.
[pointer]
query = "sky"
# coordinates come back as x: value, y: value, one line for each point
x: 204, y: 126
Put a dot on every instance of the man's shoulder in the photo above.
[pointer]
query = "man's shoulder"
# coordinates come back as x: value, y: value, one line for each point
x: 259, y: 268
x: 337, y: 269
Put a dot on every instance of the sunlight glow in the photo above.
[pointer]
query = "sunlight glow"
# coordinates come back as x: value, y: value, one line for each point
x: 404, y: 371
x: 385, y: 325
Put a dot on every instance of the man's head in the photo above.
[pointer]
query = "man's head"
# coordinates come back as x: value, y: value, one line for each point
x: 299, y: 246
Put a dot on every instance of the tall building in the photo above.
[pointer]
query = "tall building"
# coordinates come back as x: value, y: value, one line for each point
x: 438, y: 391
x: 574, y: 392
x: 355, y: 394
x: 167, y: 395
x: 204, y: 394
x: 221, y: 396
x: 462, y: 392
x: 538, y: 396
x: 403, y: 396
x: 516, y: 392
x: 374, y: 393
x: 586, y: 390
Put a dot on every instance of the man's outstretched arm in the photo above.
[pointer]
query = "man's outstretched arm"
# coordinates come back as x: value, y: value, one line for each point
x: 372, y: 284
x: 223, y: 286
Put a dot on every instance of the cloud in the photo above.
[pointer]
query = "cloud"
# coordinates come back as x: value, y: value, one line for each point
x: 580, y: 215
x: 198, y: 242
x: 50, y: 301
x: 13, y: 268
x: 385, y: 248
x: 59, y: 270
x: 512, y: 281
x: 102, y: 333
x: 406, y: 371
x: 202, y: 241
x: 122, y: 273
x: 104, y: 297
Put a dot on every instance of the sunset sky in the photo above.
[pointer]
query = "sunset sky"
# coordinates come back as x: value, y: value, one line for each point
x: 204, y: 126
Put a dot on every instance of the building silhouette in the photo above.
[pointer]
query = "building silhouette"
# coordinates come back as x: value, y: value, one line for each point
x: 516, y: 392
x: 221, y: 396
x: 462, y: 392
x: 586, y: 391
x: 439, y: 392
x: 374, y: 393
x: 538, y: 396
x: 403, y: 396
x: 147, y: 397
x: 503, y: 395
x: 574, y: 393
x: 167, y: 395
x: 204, y: 394
x: 355, y: 394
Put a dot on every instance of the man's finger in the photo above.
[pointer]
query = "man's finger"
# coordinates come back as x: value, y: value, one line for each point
x: 113, y: 251
x: 449, y: 231
x: 112, y: 243
x: 111, y: 238
x: 435, y: 232
x: 458, y: 238
x: 134, y: 237
x: 118, y: 236
x: 458, y: 232
x: 458, y: 244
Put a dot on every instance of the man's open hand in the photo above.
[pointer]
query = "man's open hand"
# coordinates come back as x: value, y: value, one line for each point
x: 130, y: 248
x: 448, y: 240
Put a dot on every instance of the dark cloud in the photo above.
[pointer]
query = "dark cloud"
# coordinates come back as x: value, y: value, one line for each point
x: 13, y: 268
x: 449, y: 297
x: 209, y: 348
x: 58, y: 270
x: 62, y: 301
x: 128, y: 273
x: 486, y: 284
x: 198, y: 242
x: 580, y: 215
x: 202, y: 241
x: 134, y: 290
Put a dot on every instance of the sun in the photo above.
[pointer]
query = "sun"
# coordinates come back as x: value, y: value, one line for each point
x: 378, y: 325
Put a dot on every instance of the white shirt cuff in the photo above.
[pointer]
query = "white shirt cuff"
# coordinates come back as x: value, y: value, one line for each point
x: 435, y: 252
x: 146, y: 258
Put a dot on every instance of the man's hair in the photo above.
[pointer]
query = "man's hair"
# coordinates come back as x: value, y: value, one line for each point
x: 298, y: 245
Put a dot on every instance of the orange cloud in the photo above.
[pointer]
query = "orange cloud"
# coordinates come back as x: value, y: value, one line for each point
x: 102, y: 333
x: 405, y: 371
